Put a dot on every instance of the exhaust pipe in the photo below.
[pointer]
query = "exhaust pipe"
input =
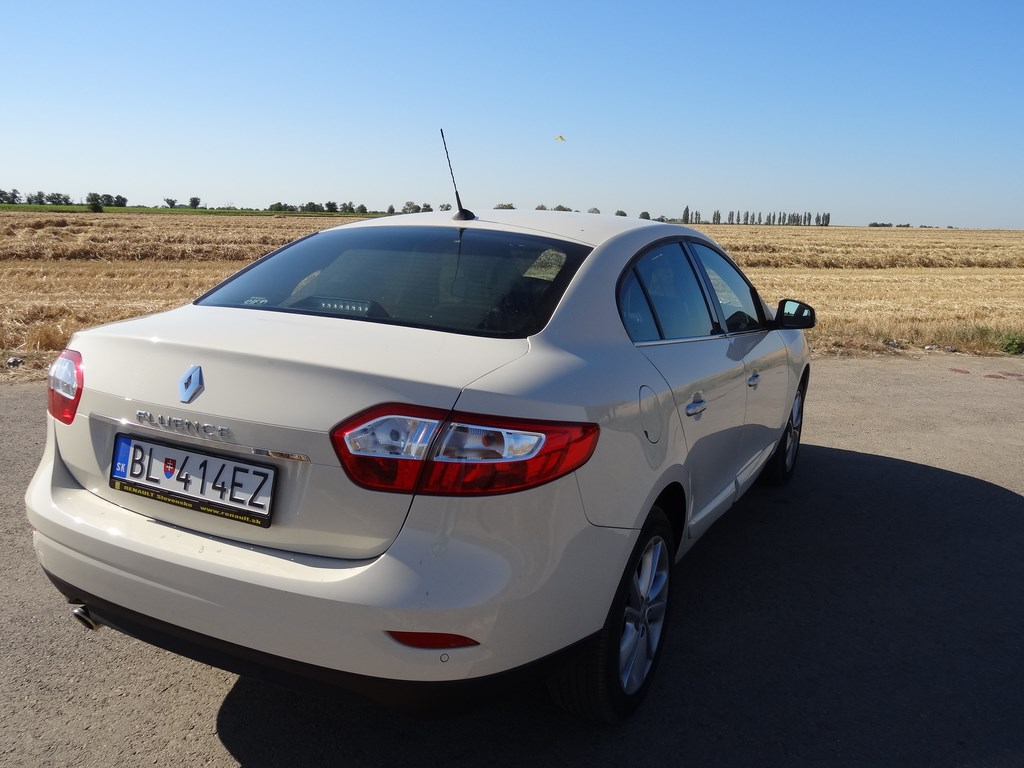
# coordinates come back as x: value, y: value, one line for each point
x: 84, y: 617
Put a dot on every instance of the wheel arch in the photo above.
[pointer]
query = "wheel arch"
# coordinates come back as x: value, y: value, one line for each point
x: 672, y: 501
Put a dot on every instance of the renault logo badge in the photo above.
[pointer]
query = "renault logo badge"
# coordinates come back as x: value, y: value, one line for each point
x: 190, y: 386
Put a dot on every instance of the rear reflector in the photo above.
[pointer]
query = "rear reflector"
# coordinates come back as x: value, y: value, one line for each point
x: 433, y: 640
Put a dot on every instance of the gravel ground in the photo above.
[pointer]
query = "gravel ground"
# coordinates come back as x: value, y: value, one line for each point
x: 869, y: 614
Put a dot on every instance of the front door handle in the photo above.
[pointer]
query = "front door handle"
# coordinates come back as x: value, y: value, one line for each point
x: 753, y: 380
x: 697, y: 406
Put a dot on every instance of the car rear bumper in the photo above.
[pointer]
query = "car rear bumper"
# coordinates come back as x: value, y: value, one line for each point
x: 525, y: 578
x: 297, y: 675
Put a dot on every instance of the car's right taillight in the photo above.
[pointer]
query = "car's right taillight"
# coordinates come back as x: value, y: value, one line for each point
x: 64, y: 386
x: 406, y: 449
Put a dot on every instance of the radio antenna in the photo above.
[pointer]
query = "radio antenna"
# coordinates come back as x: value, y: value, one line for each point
x: 462, y: 214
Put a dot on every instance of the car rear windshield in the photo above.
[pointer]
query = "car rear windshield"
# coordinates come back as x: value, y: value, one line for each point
x: 471, y: 281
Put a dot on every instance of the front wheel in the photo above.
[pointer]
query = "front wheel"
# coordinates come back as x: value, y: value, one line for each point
x: 609, y: 677
x: 781, y: 465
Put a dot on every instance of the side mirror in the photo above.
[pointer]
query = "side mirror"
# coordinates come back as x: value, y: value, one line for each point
x: 794, y: 314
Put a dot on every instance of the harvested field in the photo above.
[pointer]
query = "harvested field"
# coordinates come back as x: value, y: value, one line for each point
x: 869, y: 247
x: 876, y: 290
x: 150, y: 237
x: 867, y: 311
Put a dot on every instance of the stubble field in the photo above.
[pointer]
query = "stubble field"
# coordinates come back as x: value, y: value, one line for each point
x: 875, y: 289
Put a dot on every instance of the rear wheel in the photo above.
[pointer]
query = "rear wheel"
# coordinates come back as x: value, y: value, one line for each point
x: 609, y: 677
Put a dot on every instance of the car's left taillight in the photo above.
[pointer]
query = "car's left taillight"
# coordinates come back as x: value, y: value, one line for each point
x: 408, y: 449
x: 64, y: 386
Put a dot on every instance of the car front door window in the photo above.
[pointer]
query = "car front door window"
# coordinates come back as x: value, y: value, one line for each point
x: 735, y: 298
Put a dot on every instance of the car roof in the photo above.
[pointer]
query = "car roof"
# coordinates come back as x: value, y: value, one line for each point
x: 586, y: 228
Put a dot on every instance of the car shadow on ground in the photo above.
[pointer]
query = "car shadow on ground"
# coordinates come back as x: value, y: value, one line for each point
x: 870, y: 613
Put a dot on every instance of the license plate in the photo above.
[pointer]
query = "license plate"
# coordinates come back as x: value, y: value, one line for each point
x: 193, y: 480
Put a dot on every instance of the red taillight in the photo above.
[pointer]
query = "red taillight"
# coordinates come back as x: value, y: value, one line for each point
x: 64, y: 384
x: 383, y: 448
x: 407, y: 449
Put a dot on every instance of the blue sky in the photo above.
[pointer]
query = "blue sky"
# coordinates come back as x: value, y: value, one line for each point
x: 905, y: 112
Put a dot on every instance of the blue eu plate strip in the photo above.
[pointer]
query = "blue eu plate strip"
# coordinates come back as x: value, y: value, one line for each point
x: 122, y: 454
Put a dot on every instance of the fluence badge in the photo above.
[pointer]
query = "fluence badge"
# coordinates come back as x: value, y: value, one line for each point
x: 191, y: 384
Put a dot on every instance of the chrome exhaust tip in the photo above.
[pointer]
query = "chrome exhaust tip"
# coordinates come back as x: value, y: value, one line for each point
x: 84, y: 617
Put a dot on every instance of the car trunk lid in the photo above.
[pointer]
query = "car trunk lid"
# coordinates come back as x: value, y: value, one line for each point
x: 272, y: 387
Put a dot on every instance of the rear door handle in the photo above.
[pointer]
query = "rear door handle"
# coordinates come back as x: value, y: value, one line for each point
x: 697, y: 406
x: 753, y: 380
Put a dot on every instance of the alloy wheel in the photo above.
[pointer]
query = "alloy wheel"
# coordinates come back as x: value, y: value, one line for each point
x: 644, y: 619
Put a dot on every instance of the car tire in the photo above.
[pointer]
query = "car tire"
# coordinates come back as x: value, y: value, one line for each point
x: 609, y: 675
x: 782, y: 464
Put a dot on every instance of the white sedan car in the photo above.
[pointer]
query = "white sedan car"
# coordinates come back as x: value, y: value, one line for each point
x: 417, y: 454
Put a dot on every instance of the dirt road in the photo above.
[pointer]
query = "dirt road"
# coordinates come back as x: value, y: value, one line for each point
x: 871, y: 613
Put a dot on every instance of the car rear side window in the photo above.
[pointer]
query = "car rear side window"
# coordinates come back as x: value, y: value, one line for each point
x: 635, y: 310
x: 472, y: 281
x: 676, y: 304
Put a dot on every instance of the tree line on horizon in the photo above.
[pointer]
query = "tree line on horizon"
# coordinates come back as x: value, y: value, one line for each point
x: 95, y: 201
x: 772, y: 218
x: 734, y: 217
